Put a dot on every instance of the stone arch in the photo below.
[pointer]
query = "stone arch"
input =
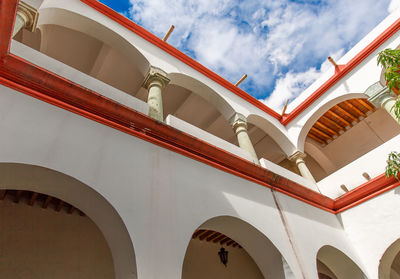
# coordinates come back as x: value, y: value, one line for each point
x: 320, y: 111
x: 389, y: 265
x: 47, y: 181
x: 262, y: 251
x: 272, y: 130
x: 208, y: 94
x: 106, y: 47
x: 330, y: 260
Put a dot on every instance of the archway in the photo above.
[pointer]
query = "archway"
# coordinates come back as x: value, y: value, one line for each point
x: 389, y: 265
x: 89, y: 47
x: 250, y: 253
x: 341, y: 131
x: 332, y: 264
x: 69, y: 190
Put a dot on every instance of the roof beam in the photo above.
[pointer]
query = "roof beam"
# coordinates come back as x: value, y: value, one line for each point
x: 332, y: 122
x: 316, y: 138
x: 59, y: 206
x: 18, y: 195
x: 347, y: 113
x: 339, y: 117
x: 355, y: 108
x: 327, y: 128
x: 3, y: 194
x: 33, y: 198
x: 47, y: 202
x: 366, y: 104
x: 321, y: 133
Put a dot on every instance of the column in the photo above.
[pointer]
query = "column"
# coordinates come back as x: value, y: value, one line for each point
x: 298, y: 158
x: 381, y: 97
x: 155, y: 82
x: 26, y: 17
x: 239, y: 125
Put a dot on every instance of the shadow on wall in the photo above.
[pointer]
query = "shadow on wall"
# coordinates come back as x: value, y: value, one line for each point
x: 333, y: 263
x: 96, y: 207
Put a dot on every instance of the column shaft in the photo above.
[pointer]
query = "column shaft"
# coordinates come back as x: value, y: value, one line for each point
x: 239, y: 125
x: 381, y: 97
x: 20, y: 22
x: 155, y: 82
x: 298, y: 158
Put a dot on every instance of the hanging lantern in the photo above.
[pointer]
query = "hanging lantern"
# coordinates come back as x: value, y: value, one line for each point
x: 223, y: 256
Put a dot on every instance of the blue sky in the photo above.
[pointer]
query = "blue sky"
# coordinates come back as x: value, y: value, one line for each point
x: 281, y: 44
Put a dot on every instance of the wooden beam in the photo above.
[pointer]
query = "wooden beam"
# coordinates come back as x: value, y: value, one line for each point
x: 59, y: 206
x: 316, y: 138
x: 3, y: 194
x: 339, y: 117
x: 355, y: 108
x: 204, y: 235
x: 235, y: 244
x: 18, y: 195
x: 326, y: 127
x: 319, y: 132
x: 71, y: 209
x: 214, y: 235
x: 33, y: 198
x: 241, y: 80
x: 230, y: 243
x: 219, y: 238
x: 285, y: 107
x: 81, y: 213
x: 340, y: 128
x: 47, y: 202
x: 204, y: 232
x: 168, y: 33
x: 225, y: 240
x: 347, y: 113
x: 366, y: 104
x: 196, y: 233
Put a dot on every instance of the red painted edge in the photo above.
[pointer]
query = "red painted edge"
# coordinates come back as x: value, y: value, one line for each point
x: 39, y: 83
x: 135, y: 28
x: 286, y: 119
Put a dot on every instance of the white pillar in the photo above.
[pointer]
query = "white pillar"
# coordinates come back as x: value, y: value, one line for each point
x: 26, y: 17
x: 239, y: 125
x: 381, y: 97
x: 298, y: 158
x: 155, y: 82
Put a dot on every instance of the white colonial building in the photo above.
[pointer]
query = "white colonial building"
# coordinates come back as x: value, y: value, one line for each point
x: 121, y: 157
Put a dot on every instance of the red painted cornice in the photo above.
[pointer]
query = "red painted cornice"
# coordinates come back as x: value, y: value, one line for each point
x: 41, y: 84
x: 286, y: 119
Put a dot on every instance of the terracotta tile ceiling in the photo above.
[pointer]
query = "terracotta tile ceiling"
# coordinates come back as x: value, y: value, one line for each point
x: 338, y: 119
x: 215, y: 237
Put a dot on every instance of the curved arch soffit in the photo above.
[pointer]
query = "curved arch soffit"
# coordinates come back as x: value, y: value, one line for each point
x: 274, y: 132
x: 18, y: 176
x: 387, y: 259
x: 259, y: 247
x: 208, y: 94
x: 339, y: 263
x: 92, y: 28
x: 320, y: 111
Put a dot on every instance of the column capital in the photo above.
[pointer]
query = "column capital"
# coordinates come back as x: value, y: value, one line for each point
x: 238, y: 120
x: 298, y: 155
x: 156, y: 76
x: 378, y: 94
x: 29, y: 14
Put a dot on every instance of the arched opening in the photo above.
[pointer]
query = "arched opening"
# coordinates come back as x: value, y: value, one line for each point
x: 389, y: 265
x: 334, y: 264
x: 197, y: 104
x: 89, y: 47
x: 44, y: 230
x: 250, y: 253
x: 343, y: 130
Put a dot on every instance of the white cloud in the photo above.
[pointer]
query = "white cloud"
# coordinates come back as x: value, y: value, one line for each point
x: 394, y: 5
x: 277, y: 43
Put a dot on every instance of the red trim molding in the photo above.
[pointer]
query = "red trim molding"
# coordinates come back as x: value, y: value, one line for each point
x: 39, y: 83
x: 286, y: 119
